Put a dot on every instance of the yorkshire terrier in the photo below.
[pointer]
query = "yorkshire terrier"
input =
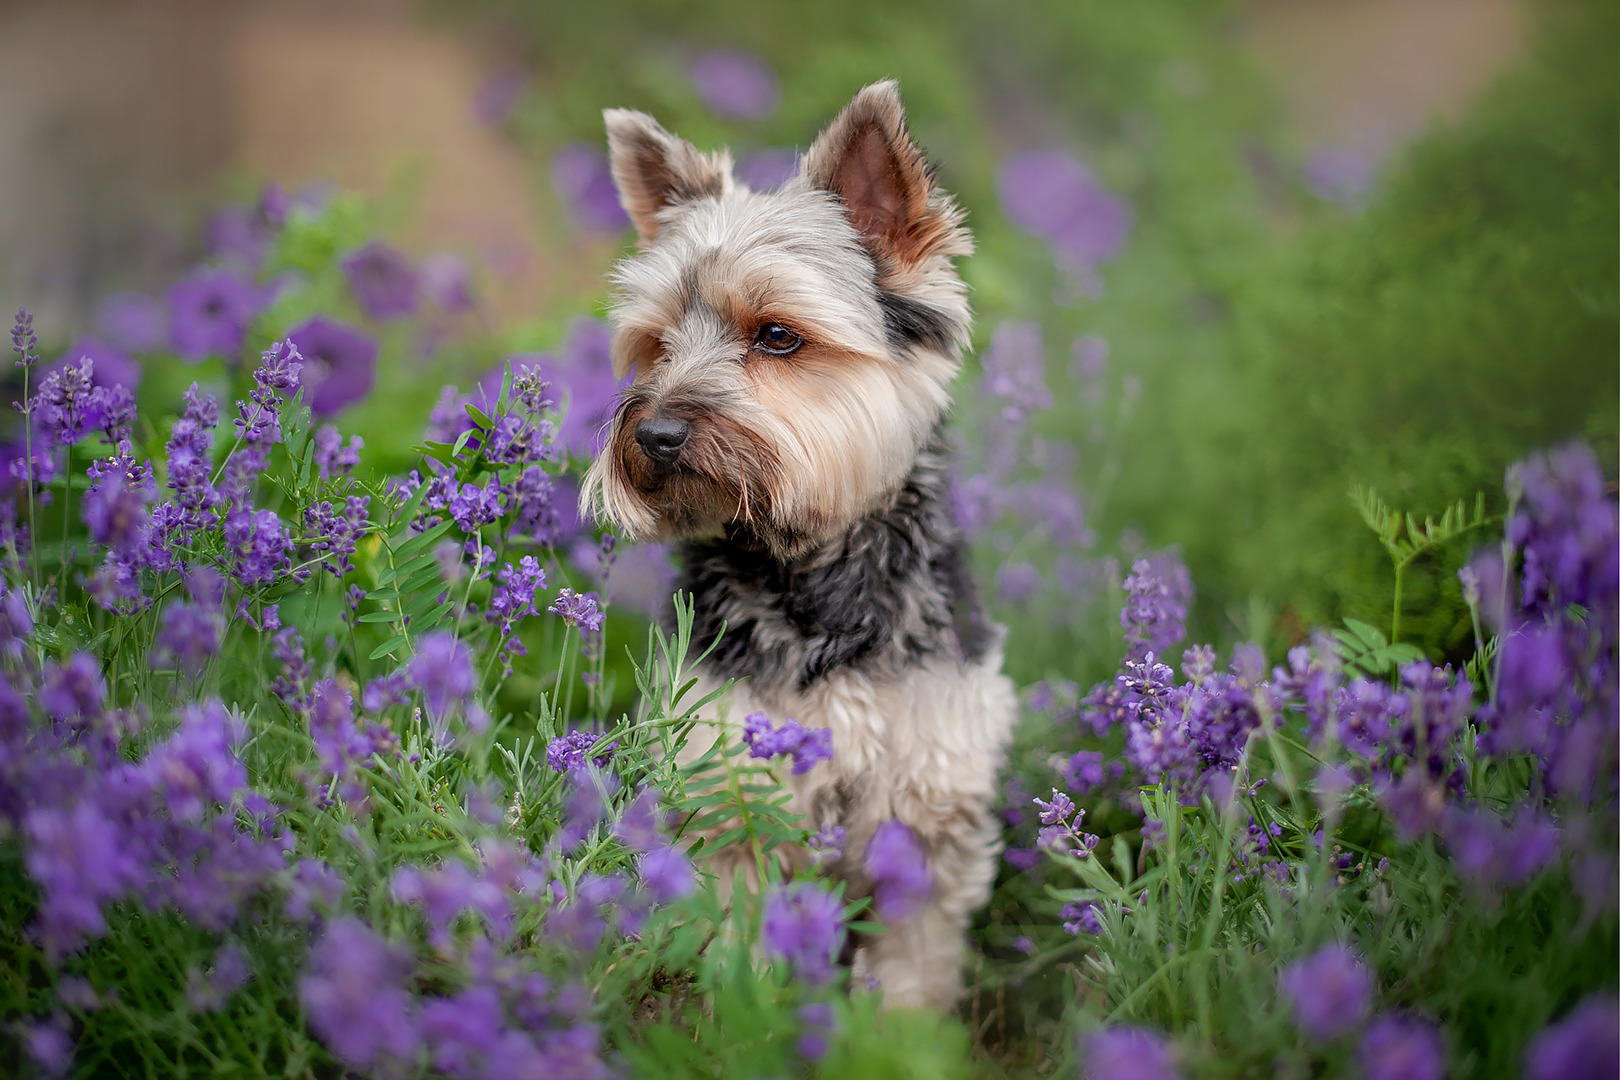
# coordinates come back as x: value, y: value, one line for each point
x: 793, y: 352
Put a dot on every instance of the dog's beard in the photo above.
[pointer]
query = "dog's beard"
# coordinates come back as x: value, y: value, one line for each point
x: 723, y: 477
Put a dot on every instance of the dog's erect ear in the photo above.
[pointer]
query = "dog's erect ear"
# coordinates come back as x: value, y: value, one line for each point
x: 868, y: 158
x: 653, y: 169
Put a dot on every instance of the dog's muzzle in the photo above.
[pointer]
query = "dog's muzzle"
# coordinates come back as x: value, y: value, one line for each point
x: 662, y: 438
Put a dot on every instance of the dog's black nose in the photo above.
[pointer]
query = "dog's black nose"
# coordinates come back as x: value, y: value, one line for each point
x: 662, y: 438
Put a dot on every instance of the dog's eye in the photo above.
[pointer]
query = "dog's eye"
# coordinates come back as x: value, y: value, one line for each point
x: 777, y: 339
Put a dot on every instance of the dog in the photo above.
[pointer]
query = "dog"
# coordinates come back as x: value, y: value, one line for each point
x: 793, y: 352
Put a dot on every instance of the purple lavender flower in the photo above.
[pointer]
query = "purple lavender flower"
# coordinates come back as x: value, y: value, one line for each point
x: 1051, y: 194
x: 1080, y: 916
x: 334, y: 534
x: 1585, y: 1045
x: 1128, y: 1053
x: 827, y: 845
x: 581, y: 370
x: 262, y: 549
x: 340, y: 363
x: 894, y: 860
x: 578, y: 610
x: 355, y: 998
x: 1155, y: 612
x: 74, y: 690
x: 208, y: 992
x: 49, y: 1045
x: 112, y: 366
x: 1083, y: 771
x: 736, y: 84
x: 81, y: 859
x: 666, y: 874
x: 1058, y: 810
x: 1016, y: 582
x: 443, y: 670
x: 313, y: 886
x: 473, y: 506
x: 1329, y: 990
x: 1395, y: 1048
x: 1495, y: 854
x: 767, y: 170
x: 190, y: 634
x: 132, y: 321
x: 583, y: 181
x: 446, y: 282
x: 515, y: 592
x: 804, y: 925
x: 1015, y: 371
x: 806, y: 745
x: 24, y: 342
x: 568, y: 752
x: 382, y: 281
x: 63, y: 407
x: 332, y: 457
x: 209, y: 315
x: 448, y: 891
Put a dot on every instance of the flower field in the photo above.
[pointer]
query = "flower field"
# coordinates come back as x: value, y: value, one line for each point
x: 333, y: 742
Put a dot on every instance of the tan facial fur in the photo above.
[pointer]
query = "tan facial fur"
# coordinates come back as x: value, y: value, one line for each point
x: 853, y: 256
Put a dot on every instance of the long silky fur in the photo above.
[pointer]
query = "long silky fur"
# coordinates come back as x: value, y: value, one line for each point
x: 811, y: 500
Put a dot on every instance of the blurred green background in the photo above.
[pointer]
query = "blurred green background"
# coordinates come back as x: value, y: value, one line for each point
x: 1368, y: 242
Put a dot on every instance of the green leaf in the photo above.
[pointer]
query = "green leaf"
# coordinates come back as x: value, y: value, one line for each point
x: 387, y: 647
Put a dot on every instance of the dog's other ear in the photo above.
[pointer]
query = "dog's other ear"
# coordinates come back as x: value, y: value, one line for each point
x: 868, y: 158
x: 653, y: 169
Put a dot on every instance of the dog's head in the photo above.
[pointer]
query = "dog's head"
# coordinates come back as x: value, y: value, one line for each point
x: 791, y: 350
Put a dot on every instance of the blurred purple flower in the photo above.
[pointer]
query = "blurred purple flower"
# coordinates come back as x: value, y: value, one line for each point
x: 1330, y: 991
x: 113, y: 367
x: 1340, y: 175
x: 1051, y: 194
x: 340, y: 363
x: 767, y: 170
x: 1083, y: 771
x: 1128, y: 1053
x: 332, y: 456
x: 1396, y: 1048
x: 583, y: 182
x: 803, y: 924
x: 355, y: 998
x: 81, y: 859
x: 498, y: 94
x: 1585, y: 1045
x: 1494, y: 853
x: 443, y: 670
x: 898, y: 868
x: 209, y: 992
x: 580, y: 374
x: 817, y: 1024
x: 48, y: 1044
x: 209, y: 315
x: 1080, y: 916
x: 446, y: 282
x: 382, y: 280
x: 1016, y: 582
x: 666, y: 874
x: 1015, y: 370
x: 736, y: 84
x: 1158, y: 591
